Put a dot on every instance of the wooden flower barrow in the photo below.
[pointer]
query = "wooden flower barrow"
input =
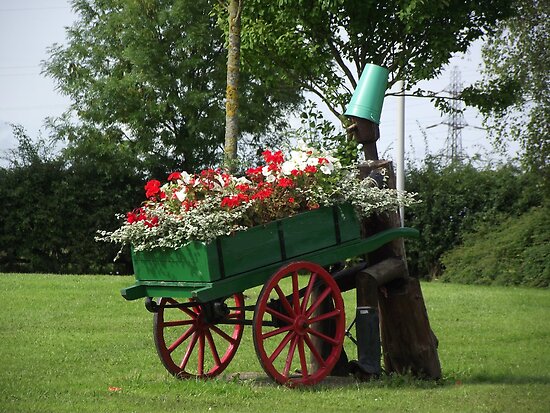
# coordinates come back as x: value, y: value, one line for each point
x: 196, y: 295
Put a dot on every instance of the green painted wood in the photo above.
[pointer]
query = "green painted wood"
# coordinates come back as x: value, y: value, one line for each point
x: 196, y: 261
x: 248, y: 250
x: 348, y: 223
x: 209, y: 291
x: 307, y: 232
x: 254, y: 248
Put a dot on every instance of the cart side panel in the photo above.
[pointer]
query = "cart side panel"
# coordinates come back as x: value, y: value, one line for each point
x: 196, y: 261
x: 347, y: 223
x: 246, y: 250
x: 318, y: 229
x: 249, y: 250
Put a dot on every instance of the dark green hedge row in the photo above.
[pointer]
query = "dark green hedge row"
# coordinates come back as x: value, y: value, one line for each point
x: 52, y: 208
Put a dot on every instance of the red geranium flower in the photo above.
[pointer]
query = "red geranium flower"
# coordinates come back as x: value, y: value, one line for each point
x: 174, y: 176
x: 254, y: 171
x: 276, y: 158
x: 131, y: 217
x: 152, y: 188
x: 285, y: 182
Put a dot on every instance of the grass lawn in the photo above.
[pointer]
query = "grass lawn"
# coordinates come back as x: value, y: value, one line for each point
x: 66, y: 340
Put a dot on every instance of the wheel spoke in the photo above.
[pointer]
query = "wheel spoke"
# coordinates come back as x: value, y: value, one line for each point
x: 331, y: 340
x: 308, y: 291
x: 314, y: 351
x: 200, y: 370
x: 223, y: 334
x: 302, y: 354
x: 290, y: 356
x: 284, y: 301
x: 189, y: 350
x: 181, y: 339
x: 234, y: 315
x: 318, y: 301
x: 213, y: 348
x: 295, y: 293
x: 281, y: 346
x: 192, y: 314
x: 177, y: 323
x: 334, y: 313
x: 276, y: 331
x: 279, y: 315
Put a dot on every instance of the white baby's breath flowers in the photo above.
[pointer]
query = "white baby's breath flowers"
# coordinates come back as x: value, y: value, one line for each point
x: 178, y: 216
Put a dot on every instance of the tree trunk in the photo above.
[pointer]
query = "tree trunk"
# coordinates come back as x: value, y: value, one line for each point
x: 232, y: 91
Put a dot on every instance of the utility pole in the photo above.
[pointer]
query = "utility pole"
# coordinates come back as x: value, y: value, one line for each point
x: 401, y: 146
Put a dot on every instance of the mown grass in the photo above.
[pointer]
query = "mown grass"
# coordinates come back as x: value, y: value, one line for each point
x: 65, y: 340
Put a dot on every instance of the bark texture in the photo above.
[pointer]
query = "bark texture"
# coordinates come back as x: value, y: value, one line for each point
x: 232, y: 91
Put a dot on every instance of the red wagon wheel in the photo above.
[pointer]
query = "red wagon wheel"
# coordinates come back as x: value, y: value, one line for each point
x: 286, y: 324
x: 192, y: 339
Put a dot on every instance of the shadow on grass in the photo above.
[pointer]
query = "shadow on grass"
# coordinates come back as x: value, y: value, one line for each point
x: 393, y: 381
x: 504, y: 379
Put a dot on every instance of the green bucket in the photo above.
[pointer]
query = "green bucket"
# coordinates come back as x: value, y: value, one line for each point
x: 368, y: 96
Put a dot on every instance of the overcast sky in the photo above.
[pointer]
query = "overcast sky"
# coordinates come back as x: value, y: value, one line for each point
x: 29, y: 27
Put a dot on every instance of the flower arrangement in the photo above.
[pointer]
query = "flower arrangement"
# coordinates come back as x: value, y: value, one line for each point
x: 212, y: 203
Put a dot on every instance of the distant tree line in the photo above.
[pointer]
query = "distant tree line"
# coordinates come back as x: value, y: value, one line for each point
x: 459, y: 199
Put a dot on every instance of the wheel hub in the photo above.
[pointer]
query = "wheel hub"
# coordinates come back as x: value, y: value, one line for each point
x: 301, y: 325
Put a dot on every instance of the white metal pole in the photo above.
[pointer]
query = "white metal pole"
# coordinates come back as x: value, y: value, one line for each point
x: 401, y: 145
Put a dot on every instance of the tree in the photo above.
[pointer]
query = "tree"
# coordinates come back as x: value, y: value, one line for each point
x: 514, y: 94
x: 322, y: 46
x: 155, y: 71
x: 234, y: 8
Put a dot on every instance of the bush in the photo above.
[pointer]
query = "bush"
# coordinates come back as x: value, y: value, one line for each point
x: 516, y: 252
x: 52, y: 208
x: 457, y: 198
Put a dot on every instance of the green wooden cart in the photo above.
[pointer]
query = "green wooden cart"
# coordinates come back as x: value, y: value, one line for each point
x: 196, y: 295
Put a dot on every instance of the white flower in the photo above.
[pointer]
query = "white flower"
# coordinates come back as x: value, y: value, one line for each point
x: 271, y: 178
x: 185, y: 178
x: 327, y: 168
x: 181, y: 194
x: 241, y: 180
x: 287, y: 167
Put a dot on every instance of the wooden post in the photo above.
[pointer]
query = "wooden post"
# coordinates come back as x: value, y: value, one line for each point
x: 408, y: 343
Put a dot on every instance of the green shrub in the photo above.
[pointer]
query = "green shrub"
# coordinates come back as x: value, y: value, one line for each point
x: 52, y: 208
x: 516, y: 252
x: 456, y: 198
